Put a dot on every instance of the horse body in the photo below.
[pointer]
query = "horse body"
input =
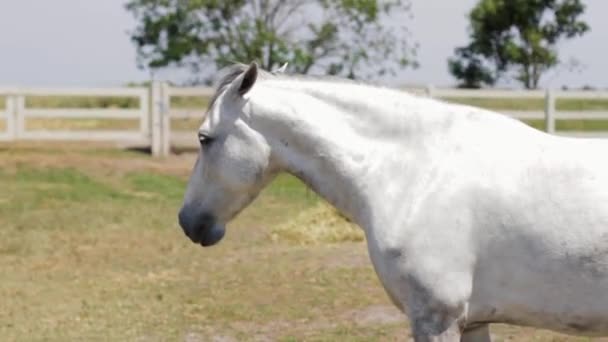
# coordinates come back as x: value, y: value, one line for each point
x: 470, y: 217
x: 502, y: 230
x: 543, y: 240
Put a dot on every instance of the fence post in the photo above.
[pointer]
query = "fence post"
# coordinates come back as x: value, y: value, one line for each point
x: 429, y: 90
x: 166, y: 119
x: 10, y: 116
x: 19, y: 116
x: 550, y: 111
x: 156, y: 122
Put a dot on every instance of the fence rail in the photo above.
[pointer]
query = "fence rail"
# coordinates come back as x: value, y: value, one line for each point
x: 550, y: 114
x: 154, y: 112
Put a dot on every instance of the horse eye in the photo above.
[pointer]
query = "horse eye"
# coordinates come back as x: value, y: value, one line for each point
x: 204, y: 139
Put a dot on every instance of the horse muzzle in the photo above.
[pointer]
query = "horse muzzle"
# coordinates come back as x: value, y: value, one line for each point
x: 201, y: 229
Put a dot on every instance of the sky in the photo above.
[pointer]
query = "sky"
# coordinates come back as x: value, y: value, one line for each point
x: 86, y: 43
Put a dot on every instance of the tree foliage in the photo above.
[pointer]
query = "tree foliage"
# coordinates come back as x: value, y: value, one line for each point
x: 516, y: 38
x: 353, y: 38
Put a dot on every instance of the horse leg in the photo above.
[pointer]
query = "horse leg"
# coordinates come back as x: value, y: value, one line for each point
x: 477, y: 334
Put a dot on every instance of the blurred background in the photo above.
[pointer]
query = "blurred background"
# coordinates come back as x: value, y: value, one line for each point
x: 99, y: 103
x: 69, y: 42
x: 76, y: 43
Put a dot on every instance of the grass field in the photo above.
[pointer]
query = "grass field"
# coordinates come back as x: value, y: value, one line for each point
x: 90, y: 251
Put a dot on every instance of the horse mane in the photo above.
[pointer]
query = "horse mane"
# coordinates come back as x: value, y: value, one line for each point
x: 228, y: 74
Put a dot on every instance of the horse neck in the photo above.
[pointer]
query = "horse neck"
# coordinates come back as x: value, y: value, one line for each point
x: 328, y: 136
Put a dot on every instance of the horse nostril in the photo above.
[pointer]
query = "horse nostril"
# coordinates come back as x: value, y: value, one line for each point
x: 206, y: 220
x: 196, y: 225
x: 183, y: 220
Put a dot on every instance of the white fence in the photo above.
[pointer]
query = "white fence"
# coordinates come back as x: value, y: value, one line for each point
x: 16, y: 114
x: 549, y: 114
x: 154, y: 113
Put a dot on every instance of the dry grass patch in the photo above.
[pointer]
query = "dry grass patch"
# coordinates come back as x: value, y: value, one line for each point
x: 179, y: 124
x: 317, y: 225
x: 81, y: 124
x: 186, y: 124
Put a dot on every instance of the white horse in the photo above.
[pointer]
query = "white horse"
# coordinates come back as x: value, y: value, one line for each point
x: 470, y: 217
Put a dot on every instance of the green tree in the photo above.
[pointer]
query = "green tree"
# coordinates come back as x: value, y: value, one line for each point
x: 353, y: 38
x: 516, y: 38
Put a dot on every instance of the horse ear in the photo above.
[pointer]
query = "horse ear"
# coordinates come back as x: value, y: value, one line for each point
x: 280, y: 70
x: 249, y: 78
